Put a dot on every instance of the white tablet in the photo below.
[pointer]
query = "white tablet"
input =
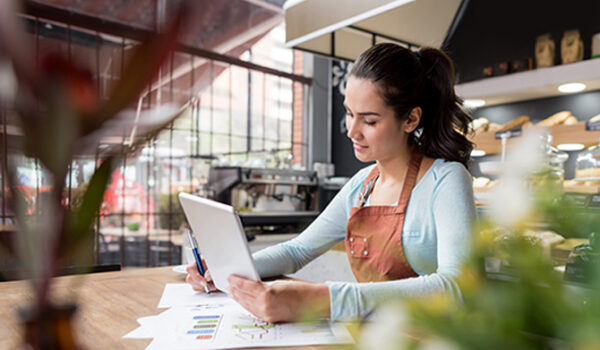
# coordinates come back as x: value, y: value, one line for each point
x: 221, y: 239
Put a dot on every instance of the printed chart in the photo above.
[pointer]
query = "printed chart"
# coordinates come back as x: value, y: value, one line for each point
x: 251, y: 328
x: 205, y: 326
x: 221, y: 323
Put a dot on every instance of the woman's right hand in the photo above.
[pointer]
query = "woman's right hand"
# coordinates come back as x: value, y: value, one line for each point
x: 195, y: 279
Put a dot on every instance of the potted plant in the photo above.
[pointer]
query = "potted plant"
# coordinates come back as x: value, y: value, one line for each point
x: 59, y: 114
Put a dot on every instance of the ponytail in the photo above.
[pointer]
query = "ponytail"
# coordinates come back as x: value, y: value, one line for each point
x: 423, y: 79
x: 444, y: 123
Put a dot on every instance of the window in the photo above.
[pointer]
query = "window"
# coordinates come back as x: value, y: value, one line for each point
x: 238, y: 115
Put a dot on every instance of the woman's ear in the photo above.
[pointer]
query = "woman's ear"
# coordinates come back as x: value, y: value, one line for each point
x: 413, y: 120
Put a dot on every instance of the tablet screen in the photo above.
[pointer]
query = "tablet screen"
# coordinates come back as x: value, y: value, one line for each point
x: 221, y: 239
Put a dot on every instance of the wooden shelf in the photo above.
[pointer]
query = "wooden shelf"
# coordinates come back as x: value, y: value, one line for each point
x: 530, y: 85
x: 576, y: 133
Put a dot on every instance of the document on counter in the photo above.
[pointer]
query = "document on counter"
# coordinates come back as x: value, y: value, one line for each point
x: 218, y: 322
x: 182, y: 294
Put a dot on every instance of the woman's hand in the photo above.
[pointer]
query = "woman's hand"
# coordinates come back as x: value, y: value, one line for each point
x: 281, y: 300
x: 198, y: 282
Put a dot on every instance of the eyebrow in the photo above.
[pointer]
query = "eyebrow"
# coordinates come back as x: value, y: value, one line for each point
x: 364, y: 113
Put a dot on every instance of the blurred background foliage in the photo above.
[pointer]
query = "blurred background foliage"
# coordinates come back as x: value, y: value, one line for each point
x: 529, y: 306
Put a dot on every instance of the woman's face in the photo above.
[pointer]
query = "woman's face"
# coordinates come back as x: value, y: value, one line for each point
x: 375, y: 132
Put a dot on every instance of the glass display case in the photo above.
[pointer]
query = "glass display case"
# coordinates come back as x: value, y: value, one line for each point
x: 588, y: 164
x: 551, y: 171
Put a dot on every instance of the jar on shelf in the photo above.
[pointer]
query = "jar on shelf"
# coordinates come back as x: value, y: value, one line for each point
x: 551, y: 171
x: 588, y: 164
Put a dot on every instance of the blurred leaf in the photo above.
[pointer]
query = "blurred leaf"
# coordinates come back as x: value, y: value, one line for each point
x: 18, y: 203
x: 35, y: 238
x: 59, y: 111
x: 80, y: 221
x: 149, y: 129
x: 52, y: 136
x: 530, y: 308
x: 567, y: 219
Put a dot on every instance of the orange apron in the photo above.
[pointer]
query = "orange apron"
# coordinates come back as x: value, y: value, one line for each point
x: 374, y: 233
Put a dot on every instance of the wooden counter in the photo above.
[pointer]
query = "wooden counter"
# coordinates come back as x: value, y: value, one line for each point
x: 109, y: 305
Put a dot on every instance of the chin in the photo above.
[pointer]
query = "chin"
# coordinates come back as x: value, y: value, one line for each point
x: 362, y: 158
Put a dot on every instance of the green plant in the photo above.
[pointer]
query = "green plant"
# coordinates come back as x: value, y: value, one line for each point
x: 133, y: 226
x: 535, y: 309
x: 60, y: 114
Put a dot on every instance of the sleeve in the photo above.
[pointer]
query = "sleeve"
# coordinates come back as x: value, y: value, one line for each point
x: 327, y: 230
x: 453, y: 210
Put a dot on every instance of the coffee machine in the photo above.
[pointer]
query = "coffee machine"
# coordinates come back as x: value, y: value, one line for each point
x: 270, y: 199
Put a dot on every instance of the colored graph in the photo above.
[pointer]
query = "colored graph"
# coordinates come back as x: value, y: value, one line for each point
x: 204, y: 327
x: 252, y: 328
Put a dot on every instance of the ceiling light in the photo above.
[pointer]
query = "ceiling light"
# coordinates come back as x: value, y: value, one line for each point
x: 571, y: 88
x: 473, y: 103
x: 570, y: 146
x: 477, y: 153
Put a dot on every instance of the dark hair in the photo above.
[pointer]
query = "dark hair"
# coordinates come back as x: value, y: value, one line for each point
x: 423, y: 78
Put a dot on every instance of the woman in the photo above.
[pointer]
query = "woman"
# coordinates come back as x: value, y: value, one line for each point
x: 406, y: 220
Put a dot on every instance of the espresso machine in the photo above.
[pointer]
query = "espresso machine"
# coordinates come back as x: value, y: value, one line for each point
x: 268, y: 199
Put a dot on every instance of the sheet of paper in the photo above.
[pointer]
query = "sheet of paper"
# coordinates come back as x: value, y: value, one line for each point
x: 230, y: 326
x: 149, y: 327
x: 182, y: 294
x: 218, y: 322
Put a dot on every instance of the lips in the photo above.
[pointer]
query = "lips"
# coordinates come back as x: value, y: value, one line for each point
x: 358, y: 147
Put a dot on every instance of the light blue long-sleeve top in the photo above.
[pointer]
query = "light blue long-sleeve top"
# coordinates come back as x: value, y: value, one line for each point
x: 436, y: 239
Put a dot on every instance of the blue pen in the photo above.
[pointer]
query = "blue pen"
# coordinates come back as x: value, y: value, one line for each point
x: 197, y: 258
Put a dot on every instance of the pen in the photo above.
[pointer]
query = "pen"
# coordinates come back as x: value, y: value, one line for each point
x: 197, y: 258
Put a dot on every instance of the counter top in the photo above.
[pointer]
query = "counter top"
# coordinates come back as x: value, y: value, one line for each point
x: 109, y: 305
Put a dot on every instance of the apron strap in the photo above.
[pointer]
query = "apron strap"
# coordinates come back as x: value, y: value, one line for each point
x: 373, y: 175
x: 410, y: 178
x: 409, y: 181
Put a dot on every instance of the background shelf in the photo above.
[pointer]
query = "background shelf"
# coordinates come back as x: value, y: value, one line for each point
x: 530, y: 85
x: 576, y: 133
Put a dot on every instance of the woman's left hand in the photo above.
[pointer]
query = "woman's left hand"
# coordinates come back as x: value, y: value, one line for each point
x: 282, y: 300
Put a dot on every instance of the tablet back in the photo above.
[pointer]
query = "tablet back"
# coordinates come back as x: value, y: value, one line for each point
x: 221, y: 239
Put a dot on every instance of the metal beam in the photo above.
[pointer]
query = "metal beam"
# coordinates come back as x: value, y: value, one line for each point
x: 135, y: 33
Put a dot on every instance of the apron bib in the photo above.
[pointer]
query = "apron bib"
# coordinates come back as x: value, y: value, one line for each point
x: 374, y: 233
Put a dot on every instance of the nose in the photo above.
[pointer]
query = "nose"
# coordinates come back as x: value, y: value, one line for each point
x: 353, y: 129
